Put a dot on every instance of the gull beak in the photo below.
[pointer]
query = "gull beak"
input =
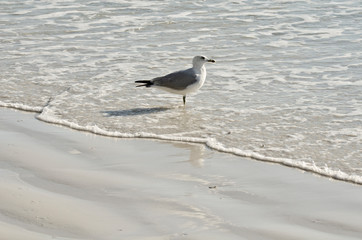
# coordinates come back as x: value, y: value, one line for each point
x: 211, y: 60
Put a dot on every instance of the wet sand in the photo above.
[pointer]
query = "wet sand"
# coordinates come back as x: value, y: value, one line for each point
x: 57, y: 183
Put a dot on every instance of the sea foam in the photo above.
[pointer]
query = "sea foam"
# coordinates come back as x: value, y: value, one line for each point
x: 210, y: 143
x: 22, y: 107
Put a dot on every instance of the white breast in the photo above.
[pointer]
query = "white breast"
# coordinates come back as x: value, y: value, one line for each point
x: 201, y: 76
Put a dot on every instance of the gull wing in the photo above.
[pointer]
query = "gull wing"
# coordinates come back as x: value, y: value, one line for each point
x: 176, y: 80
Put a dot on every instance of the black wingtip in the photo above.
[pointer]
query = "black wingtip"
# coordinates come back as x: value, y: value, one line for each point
x: 145, y: 83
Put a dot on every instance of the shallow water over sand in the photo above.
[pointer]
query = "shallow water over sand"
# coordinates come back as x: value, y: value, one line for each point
x: 286, y: 86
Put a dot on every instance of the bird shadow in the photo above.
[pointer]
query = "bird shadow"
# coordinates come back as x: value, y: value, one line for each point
x: 134, y: 111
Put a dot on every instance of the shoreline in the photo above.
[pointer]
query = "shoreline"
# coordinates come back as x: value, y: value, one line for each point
x: 215, y: 146
x: 62, y: 183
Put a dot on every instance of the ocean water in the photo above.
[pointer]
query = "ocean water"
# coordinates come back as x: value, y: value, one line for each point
x: 286, y: 86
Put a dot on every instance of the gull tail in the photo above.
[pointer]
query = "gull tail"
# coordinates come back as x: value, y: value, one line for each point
x: 146, y: 83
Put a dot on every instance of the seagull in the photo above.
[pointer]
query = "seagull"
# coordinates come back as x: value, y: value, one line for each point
x: 181, y: 82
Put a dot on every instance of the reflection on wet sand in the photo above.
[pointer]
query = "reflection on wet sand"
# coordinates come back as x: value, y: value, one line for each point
x: 197, y: 153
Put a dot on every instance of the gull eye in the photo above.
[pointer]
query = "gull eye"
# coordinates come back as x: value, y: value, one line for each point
x: 203, y: 58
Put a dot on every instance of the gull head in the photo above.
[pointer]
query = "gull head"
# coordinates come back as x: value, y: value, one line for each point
x: 199, y: 61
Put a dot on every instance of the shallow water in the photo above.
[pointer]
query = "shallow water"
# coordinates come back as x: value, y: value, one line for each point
x: 286, y: 85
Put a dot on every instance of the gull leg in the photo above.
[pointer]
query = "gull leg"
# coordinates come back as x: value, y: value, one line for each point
x: 184, y: 98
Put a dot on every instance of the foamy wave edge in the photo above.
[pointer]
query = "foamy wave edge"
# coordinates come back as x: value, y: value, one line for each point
x: 212, y: 144
x: 22, y: 107
x: 209, y: 142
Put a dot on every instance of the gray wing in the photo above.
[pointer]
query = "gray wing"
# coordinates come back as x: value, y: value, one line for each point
x: 176, y: 80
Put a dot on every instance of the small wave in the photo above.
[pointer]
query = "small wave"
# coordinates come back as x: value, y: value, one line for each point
x: 212, y: 144
x: 209, y: 142
x: 20, y: 106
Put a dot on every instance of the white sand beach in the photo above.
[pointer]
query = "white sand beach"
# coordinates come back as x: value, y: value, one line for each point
x: 57, y: 183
